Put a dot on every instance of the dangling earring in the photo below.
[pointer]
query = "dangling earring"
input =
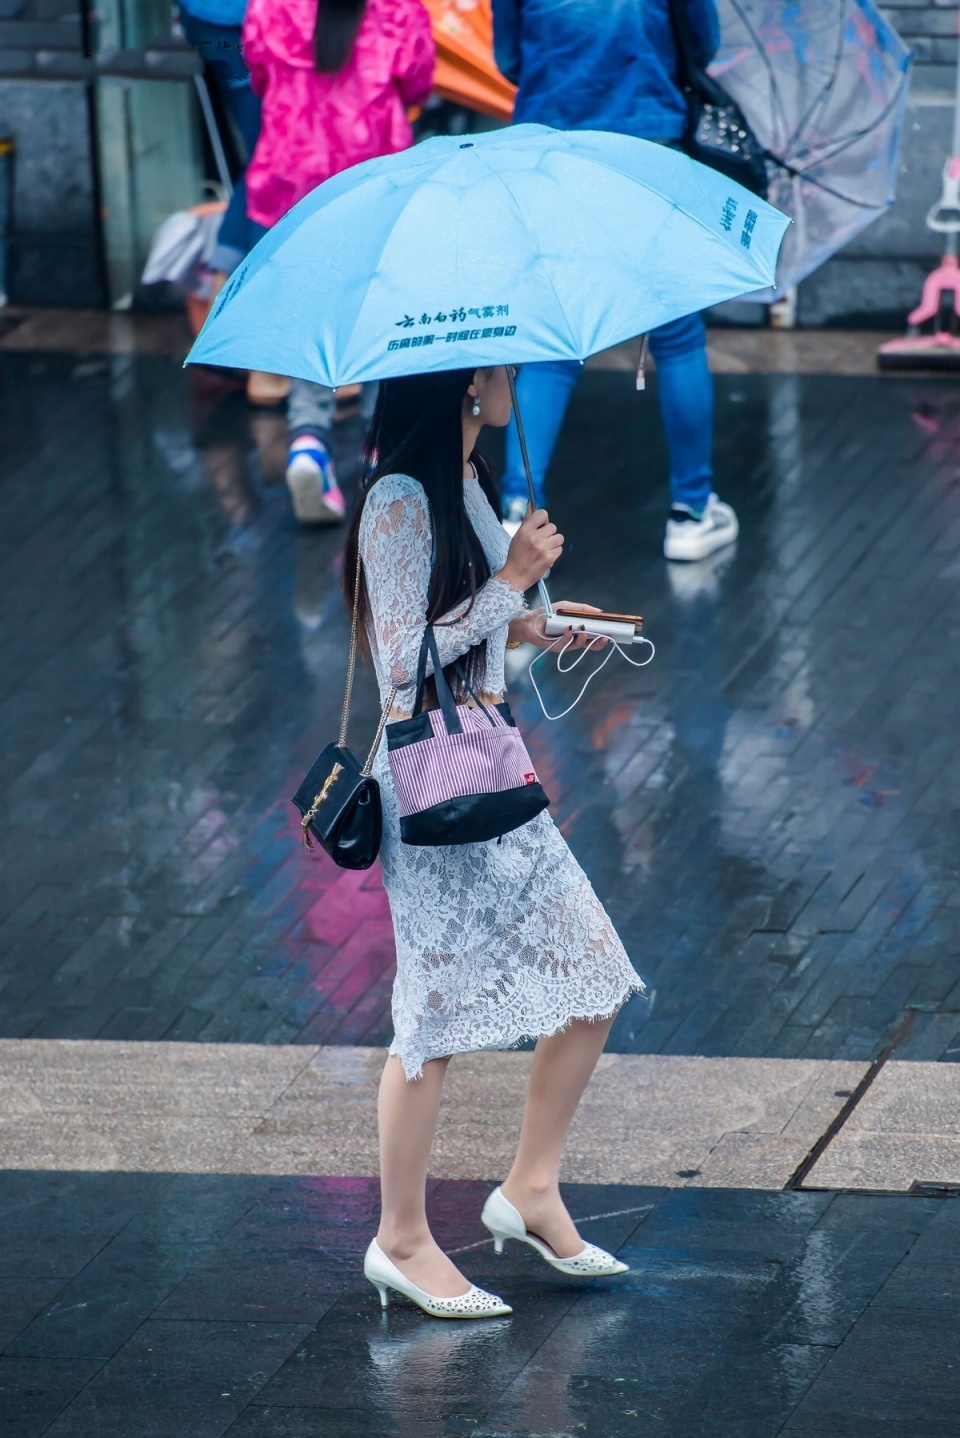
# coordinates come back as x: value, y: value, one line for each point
x: 475, y: 407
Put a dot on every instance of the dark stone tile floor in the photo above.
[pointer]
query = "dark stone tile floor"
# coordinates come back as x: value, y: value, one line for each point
x: 190, y: 1307
x: 769, y: 810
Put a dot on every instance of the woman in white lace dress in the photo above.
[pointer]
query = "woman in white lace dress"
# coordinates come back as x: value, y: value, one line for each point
x: 495, y: 941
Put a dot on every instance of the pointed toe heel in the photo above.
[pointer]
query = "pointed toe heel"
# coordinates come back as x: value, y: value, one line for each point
x: 504, y: 1221
x: 385, y: 1275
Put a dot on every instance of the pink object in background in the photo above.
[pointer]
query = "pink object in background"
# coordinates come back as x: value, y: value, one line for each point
x: 315, y: 125
x: 940, y: 300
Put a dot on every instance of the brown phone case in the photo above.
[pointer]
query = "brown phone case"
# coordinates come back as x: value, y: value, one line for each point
x: 636, y: 619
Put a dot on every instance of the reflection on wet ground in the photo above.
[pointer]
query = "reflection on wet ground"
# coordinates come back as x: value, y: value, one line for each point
x: 158, y: 1304
x: 768, y: 810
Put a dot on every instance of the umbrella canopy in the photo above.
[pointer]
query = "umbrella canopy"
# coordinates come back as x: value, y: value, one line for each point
x: 522, y: 244
x: 824, y: 86
x: 466, y: 71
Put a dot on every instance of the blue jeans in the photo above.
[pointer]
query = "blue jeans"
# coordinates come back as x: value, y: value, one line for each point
x: 222, y: 54
x: 685, y: 388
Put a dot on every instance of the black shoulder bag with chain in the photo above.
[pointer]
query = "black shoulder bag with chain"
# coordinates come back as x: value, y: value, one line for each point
x: 340, y: 800
x: 718, y: 133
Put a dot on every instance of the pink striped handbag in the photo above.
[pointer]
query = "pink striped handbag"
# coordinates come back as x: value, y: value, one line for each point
x: 462, y: 775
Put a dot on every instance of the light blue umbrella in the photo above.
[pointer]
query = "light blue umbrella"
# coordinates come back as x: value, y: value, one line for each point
x: 521, y: 244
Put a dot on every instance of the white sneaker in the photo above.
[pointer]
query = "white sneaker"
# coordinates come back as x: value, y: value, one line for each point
x: 513, y: 518
x: 689, y: 538
x: 312, y: 481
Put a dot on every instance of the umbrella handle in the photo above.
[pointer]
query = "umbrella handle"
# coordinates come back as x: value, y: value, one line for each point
x: 518, y: 418
x: 642, y: 364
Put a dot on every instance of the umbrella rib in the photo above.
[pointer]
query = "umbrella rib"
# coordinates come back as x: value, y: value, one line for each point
x: 820, y: 100
x: 751, y: 29
x: 294, y: 233
x: 809, y: 179
x: 830, y: 152
x: 520, y: 215
x: 817, y: 102
x: 667, y: 199
x: 361, y: 224
x: 374, y: 270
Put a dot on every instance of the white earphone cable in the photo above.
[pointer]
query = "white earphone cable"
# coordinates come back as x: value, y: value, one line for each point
x: 569, y: 668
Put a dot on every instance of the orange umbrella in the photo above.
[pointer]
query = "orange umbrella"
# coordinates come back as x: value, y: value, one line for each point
x: 466, y: 72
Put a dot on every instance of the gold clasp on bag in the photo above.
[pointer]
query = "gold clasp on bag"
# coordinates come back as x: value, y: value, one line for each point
x: 311, y: 813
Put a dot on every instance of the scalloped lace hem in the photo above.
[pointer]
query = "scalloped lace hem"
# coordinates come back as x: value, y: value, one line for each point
x: 515, y: 1035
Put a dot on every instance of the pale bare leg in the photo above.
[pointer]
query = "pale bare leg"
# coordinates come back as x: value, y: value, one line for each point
x: 408, y: 1112
x: 561, y: 1070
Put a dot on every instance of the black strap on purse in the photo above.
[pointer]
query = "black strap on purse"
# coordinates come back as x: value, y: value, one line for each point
x: 717, y: 133
x: 339, y: 800
x: 448, y: 705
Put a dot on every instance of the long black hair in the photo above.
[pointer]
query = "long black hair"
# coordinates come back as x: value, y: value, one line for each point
x: 334, y: 33
x: 417, y: 429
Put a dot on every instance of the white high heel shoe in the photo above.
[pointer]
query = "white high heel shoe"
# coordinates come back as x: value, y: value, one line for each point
x: 384, y: 1275
x: 504, y: 1221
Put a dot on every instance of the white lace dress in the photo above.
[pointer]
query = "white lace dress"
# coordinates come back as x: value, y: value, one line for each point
x: 498, y: 941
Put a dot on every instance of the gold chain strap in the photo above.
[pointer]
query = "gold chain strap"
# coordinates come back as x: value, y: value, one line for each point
x: 352, y: 661
x: 384, y: 715
x: 337, y: 769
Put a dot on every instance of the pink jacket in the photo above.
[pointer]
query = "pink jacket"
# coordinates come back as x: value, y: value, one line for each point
x: 315, y: 125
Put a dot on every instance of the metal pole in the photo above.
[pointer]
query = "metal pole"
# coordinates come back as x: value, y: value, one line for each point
x: 518, y: 419
x: 216, y: 144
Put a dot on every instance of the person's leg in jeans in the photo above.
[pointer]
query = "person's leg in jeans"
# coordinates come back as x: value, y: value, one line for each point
x: 237, y: 232
x: 221, y: 50
x: 309, y: 410
x: 699, y: 523
x: 685, y: 389
x: 543, y: 392
x: 317, y: 498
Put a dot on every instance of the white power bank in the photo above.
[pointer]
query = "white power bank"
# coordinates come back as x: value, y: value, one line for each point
x: 556, y: 625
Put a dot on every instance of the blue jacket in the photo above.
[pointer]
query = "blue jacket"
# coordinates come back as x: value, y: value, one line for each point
x: 599, y: 64
x: 216, y: 12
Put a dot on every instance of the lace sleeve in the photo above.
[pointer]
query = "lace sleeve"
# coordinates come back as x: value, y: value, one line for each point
x: 396, y: 544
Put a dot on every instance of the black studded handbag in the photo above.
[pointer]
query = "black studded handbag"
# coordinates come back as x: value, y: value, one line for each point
x: 339, y: 800
x: 717, y: 132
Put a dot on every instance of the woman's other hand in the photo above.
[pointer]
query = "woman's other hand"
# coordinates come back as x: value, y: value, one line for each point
x: 534, y: 550
x: 528, y: 629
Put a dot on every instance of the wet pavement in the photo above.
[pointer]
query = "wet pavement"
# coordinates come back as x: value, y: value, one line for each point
x: 207, y: 1305
x: 769, y: 811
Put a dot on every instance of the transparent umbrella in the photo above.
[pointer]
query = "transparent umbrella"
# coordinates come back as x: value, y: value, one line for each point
x: 824, y: 86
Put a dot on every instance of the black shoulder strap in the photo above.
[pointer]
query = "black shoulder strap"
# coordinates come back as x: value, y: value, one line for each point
x: 444, y: 693
x: 689, y: 70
